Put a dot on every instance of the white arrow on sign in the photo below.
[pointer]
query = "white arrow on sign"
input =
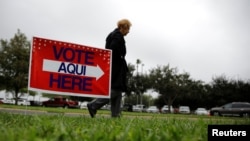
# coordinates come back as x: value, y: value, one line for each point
x: 70, y: 68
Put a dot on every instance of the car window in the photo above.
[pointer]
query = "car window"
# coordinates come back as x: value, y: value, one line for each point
x: 243, y: 105
x: 184, y: 108
x: 229, y: 105
x: 238, y: 105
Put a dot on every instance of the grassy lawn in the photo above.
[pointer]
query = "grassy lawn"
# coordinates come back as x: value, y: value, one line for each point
x: 130, y: 127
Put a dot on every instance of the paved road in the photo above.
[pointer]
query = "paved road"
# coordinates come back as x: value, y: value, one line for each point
x: 35, y: 112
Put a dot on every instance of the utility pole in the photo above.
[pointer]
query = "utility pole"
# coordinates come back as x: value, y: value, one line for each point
x: 138, y: 61
x: 141, y: 81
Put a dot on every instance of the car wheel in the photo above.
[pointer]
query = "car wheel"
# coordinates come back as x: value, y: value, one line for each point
x: 244, y: 115
x: 66, y: 106
x: 216, y: 113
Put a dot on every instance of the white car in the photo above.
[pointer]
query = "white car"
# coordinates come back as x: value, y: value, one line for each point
x: 138, y: 108
x: 152, y: 109
x: 8, y: 101
x: 164, y: 109
x: 83, y: 105
x: 201, y: 111
x: 23, y: 102
x: 184, y: 110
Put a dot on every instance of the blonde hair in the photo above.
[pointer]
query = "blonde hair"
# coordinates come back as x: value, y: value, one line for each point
x: 124, y: 23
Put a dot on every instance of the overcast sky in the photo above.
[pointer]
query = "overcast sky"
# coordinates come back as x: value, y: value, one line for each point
x: 205, y: 38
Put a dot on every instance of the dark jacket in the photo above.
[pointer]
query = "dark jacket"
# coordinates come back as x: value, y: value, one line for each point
x: 115, y: 41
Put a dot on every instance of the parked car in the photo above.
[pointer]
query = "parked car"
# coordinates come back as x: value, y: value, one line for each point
x: 184, y: 110
x: 83, y: 105
x: 106, y: 107
x: 127, y: 107
x: 164, y: 109
x: 241, y: 109
x: 23, y: 102
x: 152, y: 109
x: 60, y: 102
x: 8, y: 101
x: 201, y: 111
x: 139, y: 108
x: 35, y: 103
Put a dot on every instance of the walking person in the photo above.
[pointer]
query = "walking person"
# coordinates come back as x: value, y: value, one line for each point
x: 115, y: 41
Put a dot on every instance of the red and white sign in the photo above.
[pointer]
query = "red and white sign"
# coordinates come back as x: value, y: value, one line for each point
x: 64, y: 68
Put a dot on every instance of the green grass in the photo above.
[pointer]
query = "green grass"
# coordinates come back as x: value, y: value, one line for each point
x: 130, y: 127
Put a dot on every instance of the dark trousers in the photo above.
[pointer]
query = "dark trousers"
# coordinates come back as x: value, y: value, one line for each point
x: 115, y: 101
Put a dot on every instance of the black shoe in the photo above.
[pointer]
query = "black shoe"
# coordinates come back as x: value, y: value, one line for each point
x: 92, y: 111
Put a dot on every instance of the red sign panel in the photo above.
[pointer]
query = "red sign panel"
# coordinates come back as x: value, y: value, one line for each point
x: 64, y: 68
